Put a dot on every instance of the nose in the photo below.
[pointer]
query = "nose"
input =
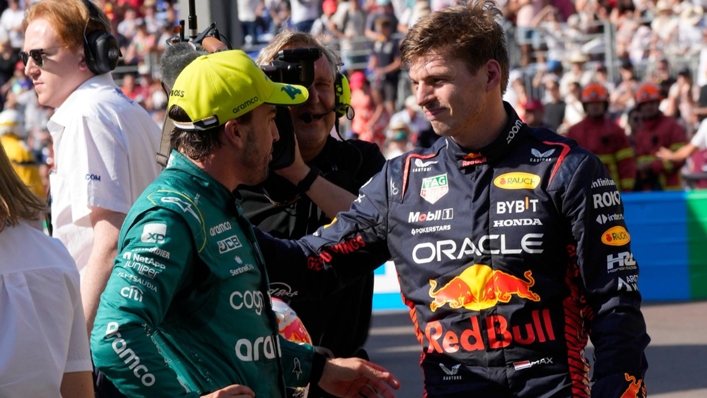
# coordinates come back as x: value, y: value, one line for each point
x: 31, y: 68
x: 423, y: 94
x: 313, y: 94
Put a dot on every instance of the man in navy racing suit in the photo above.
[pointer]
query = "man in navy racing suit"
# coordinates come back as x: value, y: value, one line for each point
x: 509, y: 241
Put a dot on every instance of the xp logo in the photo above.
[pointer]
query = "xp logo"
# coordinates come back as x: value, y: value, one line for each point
x: 228, y: 244
x: 517, y: 180
x: 154, y: 233
x: 291, y: 91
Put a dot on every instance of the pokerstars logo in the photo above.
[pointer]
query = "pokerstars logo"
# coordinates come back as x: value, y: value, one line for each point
x: 517, y: 180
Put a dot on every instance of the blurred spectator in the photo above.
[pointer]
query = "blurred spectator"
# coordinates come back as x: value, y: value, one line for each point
x: 552, y: 32
x: 622, y: 98
x: 303, y: 14
x: 376, y: 9
x: 574, y: 110
x: 633, y: 123
x: 320, y: 27
x: 576, y: 74
x: 11, y: 21
x: 8, y: 60
x: 681, y: 103
x: 149, y: 17
x: 248, y: 12
x: 128, y: 26
x: 641, y: 42
x: 601, y: 76
x: 555, y: 107
x: 44, y: 344
x: 516, y: 94
x: 399, y: 141
x: 384, y: 63
x: 665, y: 24
x: 412, y: 117
x: 534, y: 113
x: 626, y: 19
x: 349, y: 24
x: 600, y: 135
x: 371, y: 115
x: 690, y: 30
x: 18, y: 83
x: 662, y: 77
x: 527, y: 35
x: 12, y: 136
x: 411, y: 15
x: 656, y: 131
x: 701, y: 109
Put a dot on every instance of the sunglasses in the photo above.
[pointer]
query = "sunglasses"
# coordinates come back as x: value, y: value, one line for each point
x: 36, y: 55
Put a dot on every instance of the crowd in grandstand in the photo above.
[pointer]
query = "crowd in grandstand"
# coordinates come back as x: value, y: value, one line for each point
x: 558, y: 48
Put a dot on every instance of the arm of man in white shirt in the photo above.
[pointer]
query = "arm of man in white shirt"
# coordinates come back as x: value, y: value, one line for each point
x: 106, y: 229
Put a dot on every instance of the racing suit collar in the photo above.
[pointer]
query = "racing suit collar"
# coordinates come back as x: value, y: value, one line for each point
x: 219, y: 193
x: 496, y: 149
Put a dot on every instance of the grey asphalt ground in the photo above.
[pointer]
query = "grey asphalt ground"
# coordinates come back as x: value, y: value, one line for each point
x: 677, y: 355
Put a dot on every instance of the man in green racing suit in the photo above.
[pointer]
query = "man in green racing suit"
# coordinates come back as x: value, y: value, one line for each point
x: 186, y: 310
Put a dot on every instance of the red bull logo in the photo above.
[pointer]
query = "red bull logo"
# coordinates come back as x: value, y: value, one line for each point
x: 472, y: 159
x: 497, y: 329
x: 479, y: 287
x: 636, y: 388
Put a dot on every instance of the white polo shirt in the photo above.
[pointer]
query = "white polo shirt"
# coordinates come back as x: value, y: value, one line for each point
x: 104, y: 154
x: 42, y: 326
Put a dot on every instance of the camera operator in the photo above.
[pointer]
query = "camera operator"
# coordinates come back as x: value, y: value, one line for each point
x: 340, y: 321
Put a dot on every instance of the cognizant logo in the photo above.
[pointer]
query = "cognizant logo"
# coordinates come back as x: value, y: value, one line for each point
x: 133, y: 361
x: 250, y: 299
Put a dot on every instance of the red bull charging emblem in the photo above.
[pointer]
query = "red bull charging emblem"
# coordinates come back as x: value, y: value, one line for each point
x: 479, y: 287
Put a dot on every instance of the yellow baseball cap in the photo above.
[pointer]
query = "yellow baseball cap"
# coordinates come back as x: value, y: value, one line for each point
x: 222, y: 86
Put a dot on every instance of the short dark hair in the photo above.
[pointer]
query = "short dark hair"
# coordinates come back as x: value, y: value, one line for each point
x: 196, y: 144
x: 468, y: 32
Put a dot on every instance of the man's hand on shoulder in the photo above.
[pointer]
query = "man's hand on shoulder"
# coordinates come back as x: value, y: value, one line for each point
x: 355, y: 377
x: 232, y: 391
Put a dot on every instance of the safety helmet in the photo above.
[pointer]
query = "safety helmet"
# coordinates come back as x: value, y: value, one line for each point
x: 594, y: 92
x: 11, y: 122
x: 647, y: 92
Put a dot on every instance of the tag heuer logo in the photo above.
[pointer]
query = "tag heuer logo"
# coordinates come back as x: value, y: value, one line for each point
x: 433, y: 188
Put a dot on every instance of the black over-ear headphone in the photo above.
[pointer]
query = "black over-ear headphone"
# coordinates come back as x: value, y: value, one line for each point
x: 100, y: 47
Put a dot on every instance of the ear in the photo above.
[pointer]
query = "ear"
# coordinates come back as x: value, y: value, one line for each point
x: 493, y: 75
x: 233, y: 134
x: 83, y: 66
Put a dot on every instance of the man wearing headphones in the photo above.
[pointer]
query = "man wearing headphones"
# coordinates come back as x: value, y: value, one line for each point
x: 340, y: 321
x: 104, y: 143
